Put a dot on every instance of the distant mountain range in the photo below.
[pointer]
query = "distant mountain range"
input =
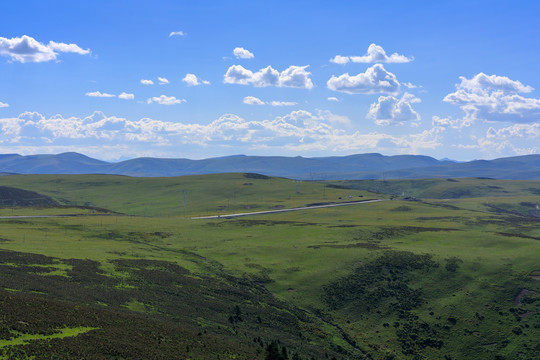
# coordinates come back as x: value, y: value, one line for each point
x: 361, y: 166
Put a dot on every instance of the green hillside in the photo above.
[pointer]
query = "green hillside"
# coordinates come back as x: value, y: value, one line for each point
x: 445, y: 188
x: 437, y: 278
x: 203, y: 194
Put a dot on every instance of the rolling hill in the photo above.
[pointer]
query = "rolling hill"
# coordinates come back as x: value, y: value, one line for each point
x: 360, y: 166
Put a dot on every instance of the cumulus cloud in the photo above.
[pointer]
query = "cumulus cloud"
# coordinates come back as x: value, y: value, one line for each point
x: 27, y: 49
x: 126, y: 96
x: 177, y: 33
x: 389, y: 110
x: 333, y: 98
x: 163, y: 81
x: 147, y: 82
x: 375, y: 54
x: 493, y: 146
x: 339, y: 59
x: 99, y: 94
x: 193, y: 80
x: 252, y: 100
x: 297, y: 131
x: 165, y: 100
x: 482, y: 82
x: 3, y: 105
x: 448, y: 122
x: 375, y: 80
x: 293, y: 76
x: 419, y: 142
x: 494, y: 98
x: 524, y: 131
x: 242, y: 53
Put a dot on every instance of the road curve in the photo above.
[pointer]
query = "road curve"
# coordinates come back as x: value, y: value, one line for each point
x: 226, y: 216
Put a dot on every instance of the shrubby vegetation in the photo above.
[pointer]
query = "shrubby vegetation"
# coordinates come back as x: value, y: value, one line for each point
x: 215, y: 315
x: 384, y: 279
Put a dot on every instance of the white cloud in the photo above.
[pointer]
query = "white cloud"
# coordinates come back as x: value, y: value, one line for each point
x: 375, y: 80
x: 297, y: 131
x: 491, y: 146
x: 282, y: 103
x: 409, y: 85
x: 99, y: 94
x: 193, y: 80
x: 147, y: 82
x: 526, y: 131
x: 333, y: 98
x: 481, y: 83
x: 342, y: 60
x: 27, y: 49
x: 252, y: 100
x: 67, y: 48
x: 237, y: 74
x: 163, y: 81
x: 165, y: 100
x: 293, y: 76
x: 3, y: 105
x: 448, y: 122
x: 334, y: 118
x: 242, y: 53
x: 389, y: 110
x: 126, y: 96
x: 417, y: 143
x: 375, y: 54
x: 494, y: 98
x: 177, y: 33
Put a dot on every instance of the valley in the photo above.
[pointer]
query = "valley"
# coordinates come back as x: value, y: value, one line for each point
x: 443, y: 269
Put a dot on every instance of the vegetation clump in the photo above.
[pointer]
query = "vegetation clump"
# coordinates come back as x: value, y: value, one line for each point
x: 384, y: 279
x: 256, y: 176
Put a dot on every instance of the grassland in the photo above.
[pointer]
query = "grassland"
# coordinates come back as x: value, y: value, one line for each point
x: 437, y: 278
x: 186, y: 196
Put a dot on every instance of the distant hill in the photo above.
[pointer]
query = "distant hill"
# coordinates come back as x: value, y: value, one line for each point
x: 353, y: 167
x: 10, y: 196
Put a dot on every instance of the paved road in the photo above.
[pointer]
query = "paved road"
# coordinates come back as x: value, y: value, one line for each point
x: 286, y: 210
x: 226, y: 216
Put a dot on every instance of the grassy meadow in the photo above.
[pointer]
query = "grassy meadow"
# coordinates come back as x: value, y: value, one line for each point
x: 450, y: 274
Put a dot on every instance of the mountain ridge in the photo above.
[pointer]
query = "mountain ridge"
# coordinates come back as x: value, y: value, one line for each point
x: 352, y: 167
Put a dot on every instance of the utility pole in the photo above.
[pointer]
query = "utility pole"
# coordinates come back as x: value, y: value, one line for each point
x: 184, y: 192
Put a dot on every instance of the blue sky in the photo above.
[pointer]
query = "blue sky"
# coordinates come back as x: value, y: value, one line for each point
x: 197, y: 79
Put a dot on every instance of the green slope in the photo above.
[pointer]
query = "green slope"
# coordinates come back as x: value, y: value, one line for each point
x: 460, y: 301
x: 203, y: 194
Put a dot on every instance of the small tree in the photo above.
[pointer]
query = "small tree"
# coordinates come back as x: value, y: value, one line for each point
x: 272, y: 351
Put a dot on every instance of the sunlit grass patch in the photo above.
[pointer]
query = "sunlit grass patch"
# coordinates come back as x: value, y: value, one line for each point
x: 19, y: 338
